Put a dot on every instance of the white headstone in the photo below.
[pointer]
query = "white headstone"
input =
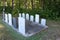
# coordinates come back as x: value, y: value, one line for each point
x: 23, y: 15
x: 10, y: 19
x: 19, y: 14
x: 21, y: 24
x: 43, y: 22
x: 27, y: 16
x: 6, y: 18
x: 37, y: 18
x: 32, y: 18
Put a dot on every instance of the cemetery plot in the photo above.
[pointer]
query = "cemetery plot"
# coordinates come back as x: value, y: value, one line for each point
x: 28, y: 27
x: 25, y: 24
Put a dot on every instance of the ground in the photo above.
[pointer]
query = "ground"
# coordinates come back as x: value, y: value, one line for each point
x: 52, y: 33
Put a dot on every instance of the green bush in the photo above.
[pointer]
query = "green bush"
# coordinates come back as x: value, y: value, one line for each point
x: 15, y: 12
x: 8, y: 9
x: 1, y: 9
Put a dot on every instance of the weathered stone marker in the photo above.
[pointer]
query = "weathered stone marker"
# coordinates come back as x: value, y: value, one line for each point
x: 10, y: 19
x: 37, y: 18
x: 23, y: 15
x: 19, y: 14
x: 6, y: 18
x: 43, y: 22
x: 27, y: 16
x: 21, y: 25
x: 32, y: 18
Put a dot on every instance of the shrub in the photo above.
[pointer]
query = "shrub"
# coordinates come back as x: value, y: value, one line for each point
x: 1, y: 9
x: 8, y: 9
x: 15, y: 12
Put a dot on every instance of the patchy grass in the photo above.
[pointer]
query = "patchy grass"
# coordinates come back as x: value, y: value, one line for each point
x: 52, y: 33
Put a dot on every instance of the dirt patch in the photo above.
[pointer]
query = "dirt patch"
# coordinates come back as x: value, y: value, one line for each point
x: 1, y: 26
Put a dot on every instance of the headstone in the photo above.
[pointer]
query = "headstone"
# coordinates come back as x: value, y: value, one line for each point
x: 14, y: 22
x: 37, y: 18
x: 43, y: 22
x: 19, y: 14
x: 6, y: 18
x: 27, y: 16
x: 21, y: 23
x: 32, y: 18
x: 23, y: 15
x: 10, y: 19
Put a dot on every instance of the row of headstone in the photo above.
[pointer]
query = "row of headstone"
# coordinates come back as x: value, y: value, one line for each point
x: 31, y: 18
x: 11, y: 20
x: 8, y: 19
x: 21, y: 21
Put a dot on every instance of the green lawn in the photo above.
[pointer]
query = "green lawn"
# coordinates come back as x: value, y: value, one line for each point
x: 52, y: 33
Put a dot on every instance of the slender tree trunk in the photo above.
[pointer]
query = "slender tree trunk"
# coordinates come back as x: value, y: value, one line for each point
x: 0, y: 3
x: 4, y: 3
x: 41, y: 3
x: 32, y: 4
x: 25, y: 4
x: 19, y: 3
x: 12, y: 4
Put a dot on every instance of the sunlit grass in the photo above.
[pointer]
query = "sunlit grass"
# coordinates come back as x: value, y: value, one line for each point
x: 1, y: 26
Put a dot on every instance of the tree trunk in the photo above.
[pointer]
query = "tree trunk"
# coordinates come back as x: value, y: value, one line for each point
x: 42, y: 3
x: 12, y: 4
x: 19, y: 3
x: 32, y: 3
x: 4, y: 3
x: 25, y: 4
x: 0, y: 3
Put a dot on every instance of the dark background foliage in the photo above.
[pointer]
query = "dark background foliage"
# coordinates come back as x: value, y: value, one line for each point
x: 49, y: 9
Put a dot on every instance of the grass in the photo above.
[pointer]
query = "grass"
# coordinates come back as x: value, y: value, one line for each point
x: 52, y: 33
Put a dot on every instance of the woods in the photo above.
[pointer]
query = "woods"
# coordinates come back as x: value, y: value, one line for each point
x: 49, y: 9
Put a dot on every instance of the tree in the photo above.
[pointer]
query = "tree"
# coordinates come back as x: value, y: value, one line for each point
x: 12, y: 4
x: 25, y: 4
x: 32, y: 3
